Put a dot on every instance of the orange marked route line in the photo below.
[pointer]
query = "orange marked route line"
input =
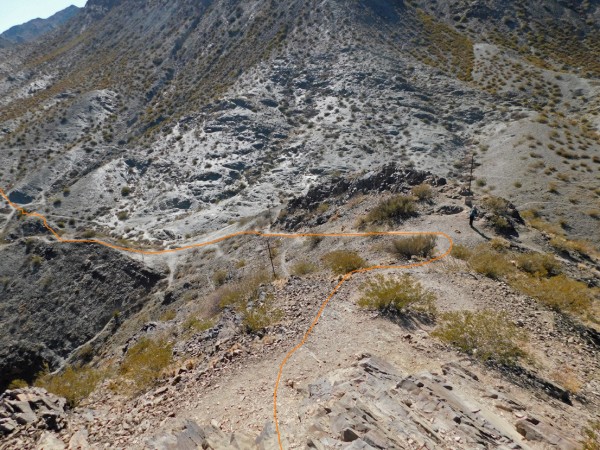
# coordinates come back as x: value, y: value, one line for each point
x: 337, y: 288
x: 345, y: 278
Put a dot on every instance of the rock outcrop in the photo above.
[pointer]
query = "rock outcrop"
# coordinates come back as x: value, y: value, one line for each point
x: 23, y: 410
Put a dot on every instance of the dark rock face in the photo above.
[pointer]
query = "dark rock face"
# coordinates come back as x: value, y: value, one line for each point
x: 55, y: 297
x: 389, y: 178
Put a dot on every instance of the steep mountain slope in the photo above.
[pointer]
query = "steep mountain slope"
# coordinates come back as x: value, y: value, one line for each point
x: 155, y: 124
x: 35, y: 28
x: 239, y: 91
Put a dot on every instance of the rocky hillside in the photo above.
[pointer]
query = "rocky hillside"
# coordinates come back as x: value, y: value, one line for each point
x: 233, y: 107
x: 197, y: 364
x: 154, y: 125
x: 35, y: 28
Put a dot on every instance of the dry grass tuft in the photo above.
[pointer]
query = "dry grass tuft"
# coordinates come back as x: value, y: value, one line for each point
x: 567, y: 379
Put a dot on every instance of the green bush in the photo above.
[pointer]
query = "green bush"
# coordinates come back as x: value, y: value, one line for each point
x: 125, y: 191
x: 538, y: 264
x: 392, y: 209
x: 74, y: 383
x: 343, y: 261
x: 303, y: 268
x: 423, y: 192
x: 420, y: 245
x: 144, y: 362
x: 395, y: 295
x: 486, y: 335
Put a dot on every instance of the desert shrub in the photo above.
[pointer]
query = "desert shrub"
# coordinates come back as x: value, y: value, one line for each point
x: 538, y: 264
x: 461, y: 252
x: 322, y: 208
x: 88, y: 234
x: 423, y: 192
x: 74, y: 383
x: 125, y: 191
x: 122, y: 215
x: 486, y: 335
x: 489, y: 262
x: 303, y: 268
x: 36, y: 260
x: 566, y: 377
x: 314, y: 241
x: 219, y: 277
x: 566, y: 245
x: 238, y: 294
x: 391, y: 209
x: 420, y: 245
x: 18, y: 384
x: 498, y: 207
x: 500, y: 223
x: 499, y: 244
x: 533, y: 218
x: 168, y: 315
x: 259, y: 317
x: 343, y: 261
x: 196, y: 325
x: 561, y: 293
x: 144, y: 362
x: 591, y: 435
x: 395, y: 295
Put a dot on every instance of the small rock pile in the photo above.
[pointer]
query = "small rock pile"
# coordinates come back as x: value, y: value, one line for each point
x: 30, y: 410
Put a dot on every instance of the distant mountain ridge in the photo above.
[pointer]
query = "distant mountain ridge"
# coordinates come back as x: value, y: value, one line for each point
x: 35, y: 28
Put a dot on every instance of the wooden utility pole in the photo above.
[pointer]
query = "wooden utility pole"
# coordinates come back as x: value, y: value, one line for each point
x: 471, y: 174
x: 271, y: 258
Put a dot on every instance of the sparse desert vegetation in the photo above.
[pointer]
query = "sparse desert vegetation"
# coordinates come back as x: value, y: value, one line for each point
x: 343, y: 261
x: 422, y: 246
x: 396, y: 295
x: 486, y: 335
x: 288, y: 118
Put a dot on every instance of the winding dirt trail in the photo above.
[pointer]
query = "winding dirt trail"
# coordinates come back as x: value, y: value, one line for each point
x: 345, y: 278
